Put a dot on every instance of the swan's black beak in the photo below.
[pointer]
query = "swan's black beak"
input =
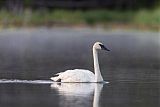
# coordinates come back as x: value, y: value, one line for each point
x: 104, y: 48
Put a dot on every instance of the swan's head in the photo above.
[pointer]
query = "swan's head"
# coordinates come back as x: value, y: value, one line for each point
x: 100, y: 46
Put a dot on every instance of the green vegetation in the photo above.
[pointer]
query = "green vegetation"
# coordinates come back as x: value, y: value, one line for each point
x: 149, y: 19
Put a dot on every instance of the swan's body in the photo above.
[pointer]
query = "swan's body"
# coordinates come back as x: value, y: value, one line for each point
x: 76, y: 75
x: 81, y: 75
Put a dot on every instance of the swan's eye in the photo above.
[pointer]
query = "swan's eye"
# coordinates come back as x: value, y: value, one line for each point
x: 103, y: 47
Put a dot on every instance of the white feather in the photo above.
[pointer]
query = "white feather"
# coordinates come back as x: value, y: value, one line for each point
x: 76, y: 75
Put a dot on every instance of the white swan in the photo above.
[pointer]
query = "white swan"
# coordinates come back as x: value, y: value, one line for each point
x: 81, y: 75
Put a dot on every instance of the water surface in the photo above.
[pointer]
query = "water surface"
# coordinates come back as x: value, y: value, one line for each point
x: 28, y: 58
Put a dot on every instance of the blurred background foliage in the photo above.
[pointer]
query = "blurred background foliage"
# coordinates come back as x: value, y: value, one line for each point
x: 143, y: 14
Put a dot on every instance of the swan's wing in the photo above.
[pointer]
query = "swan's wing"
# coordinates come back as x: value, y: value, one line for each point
x: 76, y: 75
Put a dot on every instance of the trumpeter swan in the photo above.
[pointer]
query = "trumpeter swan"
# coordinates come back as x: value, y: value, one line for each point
x: 81, y: 75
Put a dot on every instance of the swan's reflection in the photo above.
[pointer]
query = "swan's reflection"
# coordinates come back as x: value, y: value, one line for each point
x: 78, y: 94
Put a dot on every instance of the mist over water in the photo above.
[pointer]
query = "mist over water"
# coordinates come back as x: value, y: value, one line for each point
x: 29, y: 57
x: 39, y: 53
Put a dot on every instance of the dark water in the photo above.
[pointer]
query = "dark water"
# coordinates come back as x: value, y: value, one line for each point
x: 28, y: 58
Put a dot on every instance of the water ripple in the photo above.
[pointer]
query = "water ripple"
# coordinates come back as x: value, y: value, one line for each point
x: 25, y: 81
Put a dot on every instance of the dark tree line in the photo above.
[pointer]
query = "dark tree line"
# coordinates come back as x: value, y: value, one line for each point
x: 19, y: 5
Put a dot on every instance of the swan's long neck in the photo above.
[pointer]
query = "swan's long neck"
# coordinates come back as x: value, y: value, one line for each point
x: 98, y: 76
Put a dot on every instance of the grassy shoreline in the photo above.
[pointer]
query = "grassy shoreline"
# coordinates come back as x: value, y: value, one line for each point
x: 142, y: 19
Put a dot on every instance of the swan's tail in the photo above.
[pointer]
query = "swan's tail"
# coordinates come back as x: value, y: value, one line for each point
x: 59, y: 73
x: 57, y: 79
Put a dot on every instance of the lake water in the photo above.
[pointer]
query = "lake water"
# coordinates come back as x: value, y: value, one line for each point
x: 29, y: 57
